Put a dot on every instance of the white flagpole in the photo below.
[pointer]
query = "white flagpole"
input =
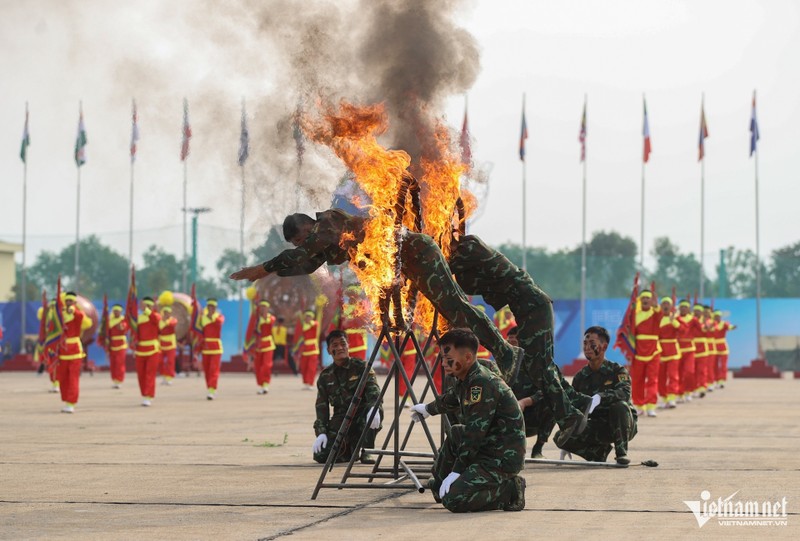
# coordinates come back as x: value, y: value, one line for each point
x: 641, y: 241
x: 185, y: 211
x: 758, y: 253
x: 241, y: 243
x: 24, y: 292
x: 702, y: 204
x: 130, y: 226
x: 78, y: 217
x: 583, y: 234
x: 524, y: 201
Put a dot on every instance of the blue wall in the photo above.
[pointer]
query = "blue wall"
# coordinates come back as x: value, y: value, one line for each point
x: 779, y: 317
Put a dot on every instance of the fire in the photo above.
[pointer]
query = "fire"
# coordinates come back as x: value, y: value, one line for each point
x: 352, y: 132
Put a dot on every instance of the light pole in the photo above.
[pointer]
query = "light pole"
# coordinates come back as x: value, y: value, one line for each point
x: 196, y: 211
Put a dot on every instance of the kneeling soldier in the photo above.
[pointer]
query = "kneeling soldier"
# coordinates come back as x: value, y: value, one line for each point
x: 478, y: 465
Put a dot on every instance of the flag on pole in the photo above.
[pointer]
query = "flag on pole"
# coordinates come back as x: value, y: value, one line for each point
x: 80, y: 141
x: 187, y: 131
x: 703, y: 133
x: 26, y: 139
x: 244, y: 140
x: 297, y: 133
x: 582, y: 134
x: 523, y: 132
x: 646, y: 134
x: 754, y: 133
x: 466, y: 150
x: 134, y: 130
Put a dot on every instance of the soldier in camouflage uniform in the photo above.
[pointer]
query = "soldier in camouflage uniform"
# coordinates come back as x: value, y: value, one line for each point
x: 334, y: 236
x: 538, y: 416
x: 336, y: 386
x: 481, y: 270
x: 478, y: 465
x: 614, y: 420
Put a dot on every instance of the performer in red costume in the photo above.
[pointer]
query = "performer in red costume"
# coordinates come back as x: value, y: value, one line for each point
x: 70, y: 351
x: 211, y: 324
x: 722, y: 328
x: 169, y: 344
x: 147, y: 351
x: 309, y: 349
x: 117, y: 345
x: 669, y: 367
x: 644, y: 371
x: 261, y: 345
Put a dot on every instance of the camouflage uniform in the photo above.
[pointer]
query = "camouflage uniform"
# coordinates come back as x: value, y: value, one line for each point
x: 481, y: 270
x: 421, y: 261
x: 613, y: 421
x: 488, y: 449
x: 336, y: 386
x: 539, y: 420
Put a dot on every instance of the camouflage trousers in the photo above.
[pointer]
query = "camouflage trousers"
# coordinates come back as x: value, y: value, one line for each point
x: 482, y: 486
x: 348, y: 445
x: 479, y: 269
x: 423, y: 263
x: 617, y: 427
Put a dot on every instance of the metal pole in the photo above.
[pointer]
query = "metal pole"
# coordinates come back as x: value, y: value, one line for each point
x: 24, y: 292
x: 78, y: 233
x: 185, y: 210
x: 241, y: 263
x: 583, y: 249
x: 702, y: 224
x: 641, y: 242
x: 758, y: 272
x: 194, y: 248
x: 524, y: 206
x: 130, y: 227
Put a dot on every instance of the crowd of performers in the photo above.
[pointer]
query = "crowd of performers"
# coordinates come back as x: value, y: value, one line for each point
x: 676, y: 353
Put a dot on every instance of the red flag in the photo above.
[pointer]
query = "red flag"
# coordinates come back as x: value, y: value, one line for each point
x: 701, y: 152
x: 626, y: 334
x: 646, y: 134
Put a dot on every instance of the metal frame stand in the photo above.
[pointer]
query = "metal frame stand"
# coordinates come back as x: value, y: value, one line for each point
x: 407, y: 469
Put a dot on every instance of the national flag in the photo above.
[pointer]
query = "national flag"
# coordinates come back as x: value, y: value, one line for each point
x: 466, y: 150
x: 703, y: 133
x: 132, y: 305
x: 187, y: 131
x: 134, y: 130
x: 244, y: 140
x: 646, y: 134
x: 102, y: 332
x: 26, y: 139
x: 80, y: 141
x: 754, y: 133
x: 582, y: 134
x: 297, y: 133
x: 523, y: 133
x: 626, y: 334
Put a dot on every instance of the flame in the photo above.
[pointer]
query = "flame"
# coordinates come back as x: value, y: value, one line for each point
x: 352, y: 132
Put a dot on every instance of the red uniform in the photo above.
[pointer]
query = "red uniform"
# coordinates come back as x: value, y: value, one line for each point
x: 669, y: 369
x: 212, y: 349
x: 147, y: 351
x: 711, y: 352
x: 720, y: 332
x: 117, y: 347
x: 504, y: 321
x: 644, y: 371
x: 71, y: 354
x: 356, y: 341
x: 309, y: 352
x: 259, y: 333
x: 169, y: 346
x: 408, y: 360
x: 701, y: 353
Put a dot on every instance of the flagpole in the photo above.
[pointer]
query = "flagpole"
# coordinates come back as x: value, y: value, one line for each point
x: 23, y: 295
x: 185, y: 211
x: 524, y: 202
x: 702, y: 199
x: 78, y: 232
x: 241, y: 261
x: 130, y: 226
x: 583, y: 237
x: 758, y: 268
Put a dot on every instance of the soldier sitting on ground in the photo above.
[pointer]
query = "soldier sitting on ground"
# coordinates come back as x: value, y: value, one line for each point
x: 613, y: 421
x: 336, y: 386
x: 477, y: 467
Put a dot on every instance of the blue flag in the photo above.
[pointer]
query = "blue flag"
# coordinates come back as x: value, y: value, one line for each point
x: 754, y: 135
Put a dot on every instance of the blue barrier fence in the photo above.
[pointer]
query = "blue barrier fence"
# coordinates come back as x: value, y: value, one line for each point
x: 779, y: 317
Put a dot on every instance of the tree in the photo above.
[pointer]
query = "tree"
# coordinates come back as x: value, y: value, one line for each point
x: 32, y: 290
x: 610, y: 264
x: 228, y: 262
x: 674, y: 269
x: 273, y: 245
x: 161, y: 271
x: 784, y: 273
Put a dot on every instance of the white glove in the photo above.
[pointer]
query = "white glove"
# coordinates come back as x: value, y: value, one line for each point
x: 376, y: 421
x: 419, y: 412
x: 445, y: 488
x: 565, y: 454
x: 595, y: 402
x: 320, y: 443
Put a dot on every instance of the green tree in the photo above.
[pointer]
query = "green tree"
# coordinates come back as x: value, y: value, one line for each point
x: 228, y: 262
x: 784, y: 272
x: 610, y: 264
x: 32, y: 290
x: 674, y: 269
x: 161, y: 271
x: 272, y: 246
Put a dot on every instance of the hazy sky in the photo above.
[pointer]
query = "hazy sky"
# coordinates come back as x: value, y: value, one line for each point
x: 105, y: 53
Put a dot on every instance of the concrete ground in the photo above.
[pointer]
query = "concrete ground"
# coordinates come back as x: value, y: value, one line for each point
x: 239, y: 468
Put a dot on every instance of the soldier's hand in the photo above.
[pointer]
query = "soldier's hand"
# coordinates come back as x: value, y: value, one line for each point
x: 320, y: 443
x: 449, y: 480
x: 419, y: 412
x: 249, y: 273
x: 525, y: 402
x: 376, y: 421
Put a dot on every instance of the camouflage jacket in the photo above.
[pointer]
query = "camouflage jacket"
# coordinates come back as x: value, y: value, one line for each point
x: 449, y: 401
x: 336, y: 386
x: 325, y: 244
x: 611, y: 381
x: 494, y: 431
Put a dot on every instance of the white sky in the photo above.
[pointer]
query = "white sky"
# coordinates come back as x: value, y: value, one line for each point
x: 613, y: 51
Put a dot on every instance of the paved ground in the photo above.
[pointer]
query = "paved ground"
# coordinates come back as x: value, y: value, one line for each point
x: 239, y: 468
